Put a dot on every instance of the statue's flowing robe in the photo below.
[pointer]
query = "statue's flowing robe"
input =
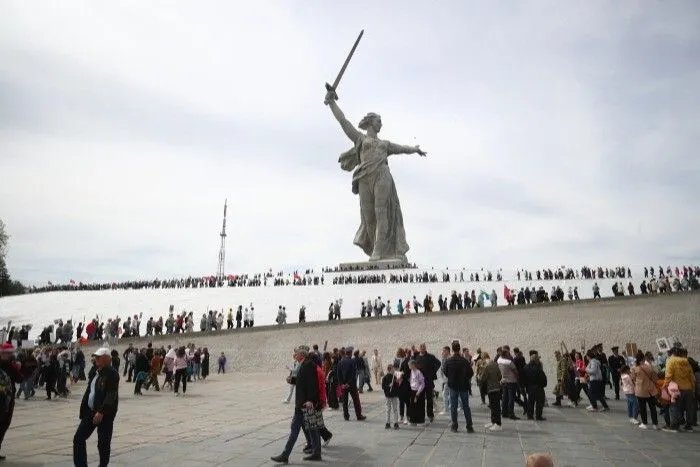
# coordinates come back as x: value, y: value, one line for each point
x: 381, y: 234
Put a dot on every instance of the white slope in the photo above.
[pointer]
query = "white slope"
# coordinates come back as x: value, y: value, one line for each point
x: 43, y: 308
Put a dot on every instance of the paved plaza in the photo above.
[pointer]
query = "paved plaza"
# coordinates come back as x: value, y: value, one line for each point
x: 238, y: 419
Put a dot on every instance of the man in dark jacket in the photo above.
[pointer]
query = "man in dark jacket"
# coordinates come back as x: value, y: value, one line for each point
x: 98, y: 409
x: 142, y: 368
x: 307, y: 399
x: 615, y: 362
x: 127, y: 365
x: 429, y: 365
x: 521, y: 395
x: 458, y: 372
x: 535, y: 380
x: 347, y: 378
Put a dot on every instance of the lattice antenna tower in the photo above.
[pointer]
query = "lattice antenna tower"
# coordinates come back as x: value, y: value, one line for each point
x: 220, y: 274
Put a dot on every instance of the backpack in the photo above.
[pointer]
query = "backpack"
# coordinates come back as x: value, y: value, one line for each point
x: 321, y: 377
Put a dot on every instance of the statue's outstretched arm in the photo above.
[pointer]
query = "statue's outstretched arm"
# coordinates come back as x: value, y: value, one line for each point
x: 401, y: 149
x: 351, y: 132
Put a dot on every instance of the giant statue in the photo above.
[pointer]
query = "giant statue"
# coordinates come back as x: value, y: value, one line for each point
x: 381, y: 234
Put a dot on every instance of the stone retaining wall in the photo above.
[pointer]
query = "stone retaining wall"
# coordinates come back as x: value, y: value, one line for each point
x: 639, y: 319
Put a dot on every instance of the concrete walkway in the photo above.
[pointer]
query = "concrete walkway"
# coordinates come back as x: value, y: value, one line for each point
x: 238, y: 419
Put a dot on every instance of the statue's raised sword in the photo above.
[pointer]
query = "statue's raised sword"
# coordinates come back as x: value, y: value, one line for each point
x: 334, y: 87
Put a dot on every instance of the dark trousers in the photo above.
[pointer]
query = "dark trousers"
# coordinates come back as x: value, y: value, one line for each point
x: 482, y: 391
x: 522, y: 397
x: 416, y: 407
x: 181, y: 376
x: 50, y: 385
x: 682, y: 409
x: 6, y: 419
x: 352, y: 392
x: 104, y: 440
x: 579, y: 387
x: 168, y: 378
x: 535, y: 401
x: 596, y: 390
x: 508, y: 402
x: 365, y: 378
x: 463, y: 396
x: 61, y: 383
x: 651, y: 402
x: 297, y: 426
x: 137, y: 386
x: 152, y: 381
x: 325, y: 434
x: 615, y: 376
x: 429, y: 396
x: 495, y: 406
x: 665, y: 410
x: 404, y: 396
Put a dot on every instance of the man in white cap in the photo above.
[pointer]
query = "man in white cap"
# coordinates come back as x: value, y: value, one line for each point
x: 98, y: 409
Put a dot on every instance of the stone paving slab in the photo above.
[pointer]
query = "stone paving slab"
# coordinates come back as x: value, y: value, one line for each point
x: 237, y: 419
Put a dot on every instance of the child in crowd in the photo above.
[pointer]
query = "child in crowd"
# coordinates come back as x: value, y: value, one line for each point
x: 222, y: 364
x: 628, y: 389
x: 390, y: 385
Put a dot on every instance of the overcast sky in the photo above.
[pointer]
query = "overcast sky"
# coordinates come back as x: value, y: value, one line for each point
x: 557, y: 133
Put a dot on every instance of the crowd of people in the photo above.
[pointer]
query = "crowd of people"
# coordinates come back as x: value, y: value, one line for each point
x: 660, y: 389
x: 55, y: 369
x: 101, y: 328
x: 404, y: 275
x: 116, y: 328
x: 414, y: 379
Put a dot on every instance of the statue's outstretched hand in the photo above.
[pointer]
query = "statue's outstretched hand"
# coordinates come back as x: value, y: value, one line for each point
x: 420, y: 152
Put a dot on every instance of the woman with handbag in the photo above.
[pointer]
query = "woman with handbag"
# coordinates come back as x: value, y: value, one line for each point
x: 644, y: 379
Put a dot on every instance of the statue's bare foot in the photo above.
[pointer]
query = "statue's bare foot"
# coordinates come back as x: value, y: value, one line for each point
x: 375, y: 257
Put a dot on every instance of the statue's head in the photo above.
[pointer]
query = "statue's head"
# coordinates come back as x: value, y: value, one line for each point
x: 371, y: 120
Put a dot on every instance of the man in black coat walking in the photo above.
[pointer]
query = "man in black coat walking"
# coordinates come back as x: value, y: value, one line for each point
x: 307, y: 398
x: 535, y: 380
x: 98, y: 409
